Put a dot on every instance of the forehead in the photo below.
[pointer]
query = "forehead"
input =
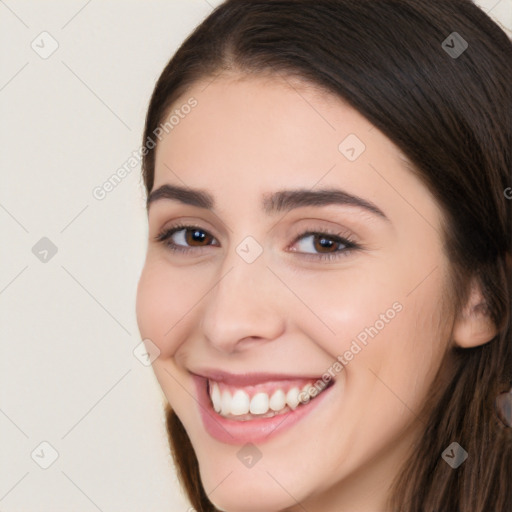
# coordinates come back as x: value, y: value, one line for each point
x: 259, y: 124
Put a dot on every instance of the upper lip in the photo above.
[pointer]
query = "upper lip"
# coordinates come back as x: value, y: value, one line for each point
x: 248, y: 379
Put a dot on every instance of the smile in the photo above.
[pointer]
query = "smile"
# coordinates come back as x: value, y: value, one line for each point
x: 261, y: 401
x: 238, y: 409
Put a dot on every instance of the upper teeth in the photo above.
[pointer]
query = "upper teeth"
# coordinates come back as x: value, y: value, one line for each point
x: 238, y: 402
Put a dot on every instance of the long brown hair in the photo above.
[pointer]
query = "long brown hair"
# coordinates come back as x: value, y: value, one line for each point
x: 451, y: 115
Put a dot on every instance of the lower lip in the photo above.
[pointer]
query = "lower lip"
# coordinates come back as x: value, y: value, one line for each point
x: 251, y: 431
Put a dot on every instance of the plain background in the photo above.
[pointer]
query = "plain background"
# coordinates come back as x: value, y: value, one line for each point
x: 68, y: 373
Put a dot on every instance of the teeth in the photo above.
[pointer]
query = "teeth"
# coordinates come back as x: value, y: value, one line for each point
x: 292, y: 398
x: 259, y: 403
x: 216, y: 397
x: 241, y: 404
x: 225, y: 403
x: 278, y: 400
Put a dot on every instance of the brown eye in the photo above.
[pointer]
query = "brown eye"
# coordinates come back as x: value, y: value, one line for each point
x: 321, y: 243
x: 324, y: 246
x: 185, y: 238
x: 324, y: 243
x: 195, y: 236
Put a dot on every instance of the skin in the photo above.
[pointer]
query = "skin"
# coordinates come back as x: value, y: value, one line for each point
x: 288, y: 314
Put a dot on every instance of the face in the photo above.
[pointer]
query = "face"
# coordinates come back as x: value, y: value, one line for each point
x: 298, y: 302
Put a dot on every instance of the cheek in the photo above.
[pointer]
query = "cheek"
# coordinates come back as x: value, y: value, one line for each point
x: 164, y: 298
x: 397, y: 366
x: 419, y: 344
x: 163, y: 301
x: 380, y: 322
x: 347, y: 309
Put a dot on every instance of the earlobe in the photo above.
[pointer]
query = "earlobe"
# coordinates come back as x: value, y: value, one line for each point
x: 474, y: 325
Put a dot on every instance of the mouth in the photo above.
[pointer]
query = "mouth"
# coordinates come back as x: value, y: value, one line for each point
x: 264, y: 400
x: 238, y: 409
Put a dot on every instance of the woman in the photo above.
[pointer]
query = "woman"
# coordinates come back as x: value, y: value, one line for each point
x: 328, y: 274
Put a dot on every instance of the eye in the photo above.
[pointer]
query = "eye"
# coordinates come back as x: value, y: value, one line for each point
x: 323, y: 245
x: 183, y: 238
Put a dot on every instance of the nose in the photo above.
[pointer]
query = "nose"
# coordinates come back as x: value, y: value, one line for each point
x: 243, y: 307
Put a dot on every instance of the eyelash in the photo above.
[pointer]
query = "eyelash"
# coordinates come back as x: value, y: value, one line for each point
x: 165, y: 235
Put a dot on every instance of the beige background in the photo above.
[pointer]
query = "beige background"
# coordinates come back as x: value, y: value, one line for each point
x: 68, y: 375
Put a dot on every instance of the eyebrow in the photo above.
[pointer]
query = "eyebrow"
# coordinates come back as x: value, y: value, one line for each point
x: 276, y: 202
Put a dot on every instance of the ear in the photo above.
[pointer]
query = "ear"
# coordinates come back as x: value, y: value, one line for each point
x: 474, y: 326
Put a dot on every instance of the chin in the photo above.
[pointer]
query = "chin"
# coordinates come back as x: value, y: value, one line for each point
x: 258, y: 494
